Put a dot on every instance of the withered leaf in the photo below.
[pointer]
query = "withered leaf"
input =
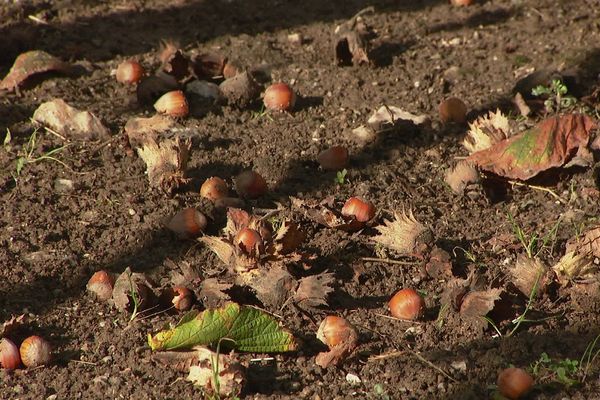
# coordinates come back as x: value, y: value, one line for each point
x: 351, y: 44
x: 182, y: 274
x: 529, y: 272
x: 178, y: 66
x: 486, y: 131
x: 166, y: 162
x: 31, y: 63
x: 224, y: 250
x: 405, y: 234
x: 478, y: 303
x: 139, y: 129
x: 551, y: 143
x: 274, y: 286
x: 322, y: 213
x: 387, y: 116
x: 454, y: 292
x: 199, y: 363
x: 439, y: 265
x: 130, y: 284
x: 459, y: 177
x: 13, y: 323
x: 589, y: 243
x: 288, y: 237
x: 313, y: 290
x: 70, y: 121
x: 212, y: 293
x: 574, y: 265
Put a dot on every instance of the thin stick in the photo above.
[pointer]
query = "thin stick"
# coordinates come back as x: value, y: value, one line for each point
x: 387, y: 261
x: 541, y: 188
x: 384, y: 356
x: 399, y: 319
x: 84, y: 362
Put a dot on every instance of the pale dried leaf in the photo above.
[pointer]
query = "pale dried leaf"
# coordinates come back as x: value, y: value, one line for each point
x: 212, y: 292
x: 182, y: 274
x: 486, y: 131
x: 528, y: 272
x: 130, y: 284
x: 574, y: 265
x: 166, y: 162
x: 387, y: 116
x: 69, y: 121
x: 459, y: 177
x: 589, y: 243
x: 288, y: 237
x: 140, y: 130
x: 313, y: 290
x: 224, y: 250
x: 405, y: 234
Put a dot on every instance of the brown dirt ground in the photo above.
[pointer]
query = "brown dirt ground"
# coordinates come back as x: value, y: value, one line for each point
x: 51, y: 242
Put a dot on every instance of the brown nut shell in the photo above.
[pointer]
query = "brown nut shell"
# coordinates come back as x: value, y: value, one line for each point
x: 214, y: 188
x: 334, y: 158
x: 173, y: 103
x: 358, y: 208
x: 35, y: 351
x: 101, y: 284
x: 279, y: 97
x: 188, y: 223
x: 9, y: 354
x: 129, y: 72
x: 514, y: 383
x: 407, y: 304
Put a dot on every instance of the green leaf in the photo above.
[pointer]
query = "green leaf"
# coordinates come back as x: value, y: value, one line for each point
x: 244, y: 328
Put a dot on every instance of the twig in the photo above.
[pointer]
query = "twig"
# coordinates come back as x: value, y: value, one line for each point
x: 84, y: 362
x: 541, y: 188
x: 399, y: 319
x: 384, y: 356
x: 387, y: 261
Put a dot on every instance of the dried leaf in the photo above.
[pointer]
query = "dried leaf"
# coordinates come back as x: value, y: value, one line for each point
x: 486, y: 131
x: 439, y: 265
x: 454, y: 292
x: 70, y: 121
x: 273, y: 287
x: 387, y: 116
x: 351, y: 44
x: 199, y: 363
x: 13, y: 323
x: 323, y: 213
x: 166, y: 162
x: 529, y: 272
x: 31, y: 63
x: 177, y: 65
x: 223, y: 250
x: 133, y: 286
x: 288, y: 237
x: 574, y: 266
x: 404, y: 235
x: 313, y: 290
x: 139, y: 130
x: 478, y: 303
x: 182, y: 274
x: 459, y: 177
x: 212, y: 292
x: 589, y: 243
x: 551, y: 143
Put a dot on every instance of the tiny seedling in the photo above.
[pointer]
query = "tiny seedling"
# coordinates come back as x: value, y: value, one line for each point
x: 521, y: 318
x: 136, y: 300
x: 589, y: 356
x: 532, y: 243
x: 557, y: 99
x: 262, y: 113
x: 340, y: 177
x: 562, y: 371
x: 26, y: 155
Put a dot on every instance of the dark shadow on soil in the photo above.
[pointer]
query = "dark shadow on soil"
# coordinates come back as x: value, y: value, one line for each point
x: 133, y: 31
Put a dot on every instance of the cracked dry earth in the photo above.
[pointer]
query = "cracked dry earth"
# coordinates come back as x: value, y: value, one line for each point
x: 52, y: 240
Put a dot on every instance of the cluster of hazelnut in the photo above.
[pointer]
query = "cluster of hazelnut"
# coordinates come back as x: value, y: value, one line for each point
x: 33, y: 352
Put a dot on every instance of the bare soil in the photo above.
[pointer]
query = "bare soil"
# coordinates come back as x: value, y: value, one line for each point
x: 51, y: 241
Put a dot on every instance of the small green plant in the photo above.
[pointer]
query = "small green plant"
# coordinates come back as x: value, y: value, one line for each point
x: 340, y: 177
x: 379, y: 392
x: 589, y: 356
x: 262, y: 113
x: 532, y: 243
x: 27, y: 156
x: 562, y: 371
x: 557, y: 98
x: 521, y: 318
x: 136, y: 300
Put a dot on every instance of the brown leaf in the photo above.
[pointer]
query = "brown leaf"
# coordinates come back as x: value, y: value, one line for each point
x: 166, y: 162
x: 478, y: 303
x: 199, y: 362
x: 177, y: 65
x: 589, y: 243
x: 405, y: 234
x: 459, y: 177
x: 236, y: 220
x: 288, y: 237
x: 439, y: 265
x: 209, y: 65
x: 273, y: 287
x: 454, y: 292
x: 527, y: 272
x: 13, y: 323
x: 212, y: 293
x: 486, y: 131
x: 224, y: 250
x: 139, y: 130
x: 183, y: 274
x: 31, y: 63
x: 69, y: 121
x: 351, y: 43
x: 313, y: 290
x: 387, y: 116
x: 130, y: 284
x: 551, y: 143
